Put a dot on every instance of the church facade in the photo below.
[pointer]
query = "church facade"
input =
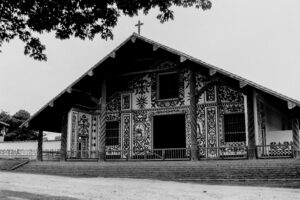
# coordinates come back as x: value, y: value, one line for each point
x: 163, y: 104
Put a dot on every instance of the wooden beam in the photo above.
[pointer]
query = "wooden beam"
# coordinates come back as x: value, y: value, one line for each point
x: 51, y: 104
x: 243, y: 84
x: 113, y: 54
x: 212, y: 72
x: 146, y: 71
x: 155, y: 47
x: 295, y: 130
x: 133, y: 39
x: 64, y: 137
x: 69, y: 90
x: 26, y: 125
x: 91, y: 73
x: 182, y: 58
x: 291, y: 105
x: 40, y: 146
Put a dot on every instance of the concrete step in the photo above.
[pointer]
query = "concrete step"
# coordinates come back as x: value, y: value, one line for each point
x: 279, y: 169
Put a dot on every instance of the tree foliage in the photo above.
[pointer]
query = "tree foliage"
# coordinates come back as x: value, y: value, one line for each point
x: 14, y: 131
x: 25, y: 19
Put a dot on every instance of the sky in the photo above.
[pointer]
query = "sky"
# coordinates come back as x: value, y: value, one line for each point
x: 258, y: 40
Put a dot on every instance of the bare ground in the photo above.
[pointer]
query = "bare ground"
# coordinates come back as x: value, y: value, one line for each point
x: 20, y: 186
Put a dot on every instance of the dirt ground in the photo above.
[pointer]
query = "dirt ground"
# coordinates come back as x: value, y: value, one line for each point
x: 18, y: 186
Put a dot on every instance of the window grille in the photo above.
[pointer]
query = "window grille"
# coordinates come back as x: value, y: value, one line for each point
x: 168, y: 86
x: 112, y: 133
x: 234, y: 127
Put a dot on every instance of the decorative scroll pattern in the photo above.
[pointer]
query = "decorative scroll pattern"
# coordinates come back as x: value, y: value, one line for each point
x: 84, y: 131
x: 234, y: 148
x: 126, y: 103
x: 141, y: 101
x: 74, y: 116
x: 233, y: 108
x: 201, y: 132
x: 211, y: 94
x: 141, y: 132
x: 83, y: 125
x: 212, y: 140
x: 114, y: 103
x: 226, y: 94
x: 280, y: 148
x: 141, y: 87
x: 115, y: 116
x: 126, y: 133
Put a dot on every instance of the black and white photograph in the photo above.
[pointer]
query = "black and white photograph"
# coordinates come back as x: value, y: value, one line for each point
x: 151, y: 100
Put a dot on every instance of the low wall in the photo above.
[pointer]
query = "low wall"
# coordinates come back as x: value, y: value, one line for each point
x: 279, y: 136
x: 26, y: 149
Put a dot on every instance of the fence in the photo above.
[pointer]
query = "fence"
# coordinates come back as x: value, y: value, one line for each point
x: 284, y: 150
x: 149, y: 154
x: 240, y: 152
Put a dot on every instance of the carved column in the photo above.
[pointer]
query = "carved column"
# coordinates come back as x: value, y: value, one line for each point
x: 102, y: 131
x: 251, y: 124
x: 193, y: 114
x: 40, y: 146
x: 64, y: 135
x: 295, y: 129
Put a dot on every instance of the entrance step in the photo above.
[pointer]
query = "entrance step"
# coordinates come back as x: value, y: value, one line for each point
x: 285, y: 169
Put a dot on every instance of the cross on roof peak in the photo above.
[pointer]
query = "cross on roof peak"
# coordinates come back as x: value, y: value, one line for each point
x: 139, y: 24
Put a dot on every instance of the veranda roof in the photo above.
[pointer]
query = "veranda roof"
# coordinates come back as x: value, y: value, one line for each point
x: 130, y: 55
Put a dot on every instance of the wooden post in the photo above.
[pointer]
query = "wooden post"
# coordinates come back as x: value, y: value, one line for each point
x: 64, y: 134
x: 40, y: 146
x: 193, y: 114
x: 102, y: 131
x: 251, y: 124
x: 295, y: 129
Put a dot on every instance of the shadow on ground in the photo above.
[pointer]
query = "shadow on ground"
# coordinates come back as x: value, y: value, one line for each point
x: 16, y: 195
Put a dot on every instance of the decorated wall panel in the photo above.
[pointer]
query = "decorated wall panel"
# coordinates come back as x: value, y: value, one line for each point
x: 141, y: 138
x: 83, y: 133
x: 126, y: 133
x: 211, y: 132
x: 141, y: 92
x: 113, y: 149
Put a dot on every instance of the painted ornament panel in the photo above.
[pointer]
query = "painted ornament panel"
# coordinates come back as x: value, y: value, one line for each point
x: 141, y: 92
x: 126, y: 101
x: 74, y: 119
x: 226, y: 94
x: 114, y: 103
x: 211, y: 127
x: 210, y: 94
x: 141, y: 132
x: 126, y: 130
x: 201, y: 131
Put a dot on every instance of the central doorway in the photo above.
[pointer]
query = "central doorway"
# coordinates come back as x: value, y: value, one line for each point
x: 169, y: 131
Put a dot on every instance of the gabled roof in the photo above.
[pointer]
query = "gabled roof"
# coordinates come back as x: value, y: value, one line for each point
x: 183, y: 57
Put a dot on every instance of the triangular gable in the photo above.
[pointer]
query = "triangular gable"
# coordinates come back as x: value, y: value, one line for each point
x: 183, y: 57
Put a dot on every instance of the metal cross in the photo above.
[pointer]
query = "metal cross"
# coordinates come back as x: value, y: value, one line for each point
x: 139, y: 24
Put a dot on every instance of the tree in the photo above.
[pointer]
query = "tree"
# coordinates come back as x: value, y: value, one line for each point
x: 78, y: 18
x: 14, y: 131
x: 5, y: 117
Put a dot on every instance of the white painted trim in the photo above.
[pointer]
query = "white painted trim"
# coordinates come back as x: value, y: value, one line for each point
x: 246, y: 117
x: 255, y: 116
x: 69, y: 131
